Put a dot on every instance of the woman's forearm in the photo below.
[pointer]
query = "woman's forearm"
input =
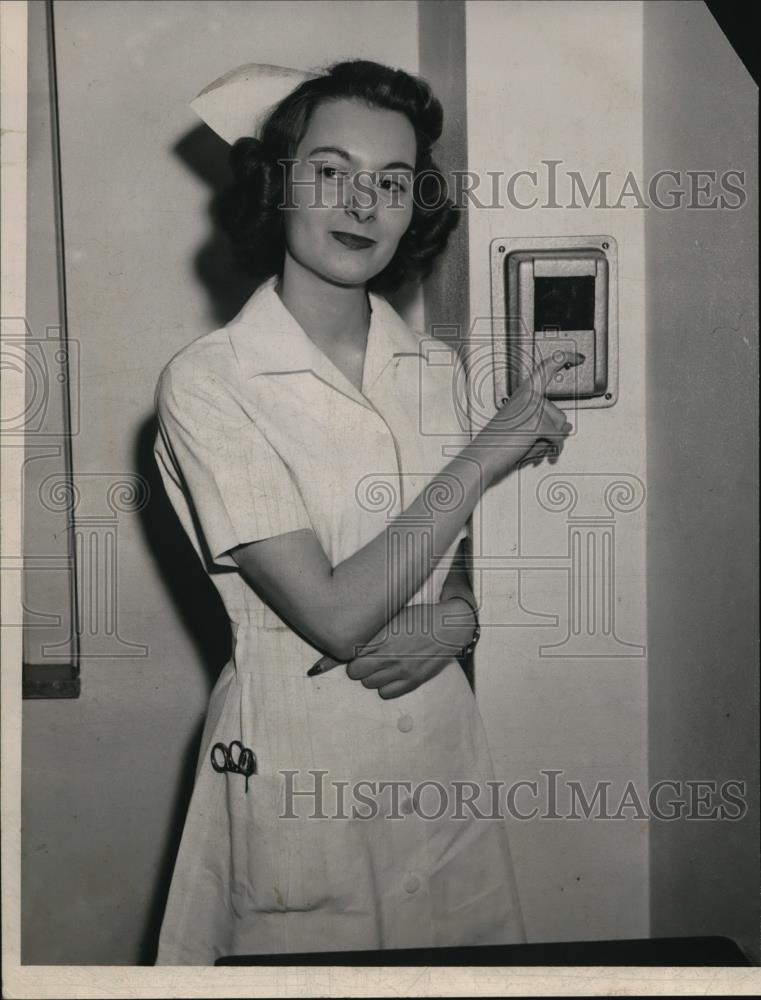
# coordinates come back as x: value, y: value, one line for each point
x: 370, y: 587
x: 450, y: 625
x: 340, y: 608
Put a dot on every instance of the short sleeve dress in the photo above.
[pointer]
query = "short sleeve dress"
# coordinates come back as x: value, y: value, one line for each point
x: 355, y: 832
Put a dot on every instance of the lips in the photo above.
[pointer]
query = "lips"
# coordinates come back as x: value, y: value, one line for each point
x: 353, y: 242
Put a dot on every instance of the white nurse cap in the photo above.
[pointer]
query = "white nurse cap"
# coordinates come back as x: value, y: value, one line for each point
x: 236, y: 103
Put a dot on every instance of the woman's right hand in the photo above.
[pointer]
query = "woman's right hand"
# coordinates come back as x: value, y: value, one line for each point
x: 527, y: 418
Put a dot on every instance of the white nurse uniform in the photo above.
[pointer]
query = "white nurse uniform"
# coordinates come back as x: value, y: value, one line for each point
x: 260, y: 434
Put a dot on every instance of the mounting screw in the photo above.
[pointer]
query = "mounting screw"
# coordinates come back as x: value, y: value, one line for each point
x: 606, y: 246
x: 609, y: 395
x: 501, y: 249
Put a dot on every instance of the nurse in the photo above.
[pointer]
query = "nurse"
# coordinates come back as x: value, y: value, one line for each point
x: 303, y: 448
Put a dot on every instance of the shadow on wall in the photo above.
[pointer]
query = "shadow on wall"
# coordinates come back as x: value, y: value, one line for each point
x: 195, y: 598
x: 197, y: 604
x: 155, y: 914
x: 206, y: 155
x: 200, y: 610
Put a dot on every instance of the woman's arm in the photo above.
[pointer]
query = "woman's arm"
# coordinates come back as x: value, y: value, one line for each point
x: 420, y: 632
x: 420, y: 641
x: 430, y: 638
x: 339, y: 609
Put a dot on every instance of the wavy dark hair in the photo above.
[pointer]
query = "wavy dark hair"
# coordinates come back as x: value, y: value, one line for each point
x: 249, y: 210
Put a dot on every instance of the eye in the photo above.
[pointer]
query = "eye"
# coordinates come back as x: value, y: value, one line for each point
x: 332, y: 173
x: 390, y: 184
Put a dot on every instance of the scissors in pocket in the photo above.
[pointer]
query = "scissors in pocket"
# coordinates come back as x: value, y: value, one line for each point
x: 222, y: 759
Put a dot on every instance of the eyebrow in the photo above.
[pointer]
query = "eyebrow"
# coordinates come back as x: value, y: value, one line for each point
x: 397, y: 164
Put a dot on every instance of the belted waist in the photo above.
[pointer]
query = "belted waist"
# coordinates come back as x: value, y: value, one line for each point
x: 270, y: 648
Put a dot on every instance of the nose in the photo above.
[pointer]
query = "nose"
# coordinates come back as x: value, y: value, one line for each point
x: 360, y: 200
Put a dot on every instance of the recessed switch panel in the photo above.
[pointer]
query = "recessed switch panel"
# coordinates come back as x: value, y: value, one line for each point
x: 550, y: 295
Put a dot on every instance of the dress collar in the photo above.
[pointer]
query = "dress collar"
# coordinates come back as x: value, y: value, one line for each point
x: 267, y: 339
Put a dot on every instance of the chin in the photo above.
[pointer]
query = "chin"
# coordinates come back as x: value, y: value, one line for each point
x: 346, y: 280
x: 340, y: 274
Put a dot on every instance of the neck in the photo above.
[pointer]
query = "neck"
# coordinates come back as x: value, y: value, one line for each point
x: 336, y: 314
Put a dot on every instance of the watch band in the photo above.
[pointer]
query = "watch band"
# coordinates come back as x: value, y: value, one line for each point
x: 467, y: 650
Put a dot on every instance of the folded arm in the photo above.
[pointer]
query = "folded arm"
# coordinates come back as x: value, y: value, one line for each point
x: 424, y: 633
x: 340, y: 609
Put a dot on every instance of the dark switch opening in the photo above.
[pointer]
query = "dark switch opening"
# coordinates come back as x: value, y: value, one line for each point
x: 566, y: 303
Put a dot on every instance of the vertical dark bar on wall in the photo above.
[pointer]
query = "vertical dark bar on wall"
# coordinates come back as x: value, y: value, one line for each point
x: 442, y: 58
x: 441, y: 42
x: 52, y: 675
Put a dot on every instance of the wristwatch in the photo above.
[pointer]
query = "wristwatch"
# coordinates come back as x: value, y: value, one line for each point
x: 467, y: 650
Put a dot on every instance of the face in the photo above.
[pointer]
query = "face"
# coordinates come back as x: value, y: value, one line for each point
x: 352, y: 178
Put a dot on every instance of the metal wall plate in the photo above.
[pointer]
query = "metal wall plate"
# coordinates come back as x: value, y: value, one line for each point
x: 502, y: 325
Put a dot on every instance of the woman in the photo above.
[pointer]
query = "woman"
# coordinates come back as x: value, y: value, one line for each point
x: 296, y: 445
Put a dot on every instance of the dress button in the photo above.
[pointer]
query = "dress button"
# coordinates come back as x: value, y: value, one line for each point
x: 404, y: 723
x: 411, y: 883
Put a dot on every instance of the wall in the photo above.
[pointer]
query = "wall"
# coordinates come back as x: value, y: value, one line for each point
x: 702, y: 427
x: 106, y: 776
x: 563, y: 81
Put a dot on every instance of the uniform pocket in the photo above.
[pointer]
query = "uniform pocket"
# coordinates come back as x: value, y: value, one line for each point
x: 266, y: 862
